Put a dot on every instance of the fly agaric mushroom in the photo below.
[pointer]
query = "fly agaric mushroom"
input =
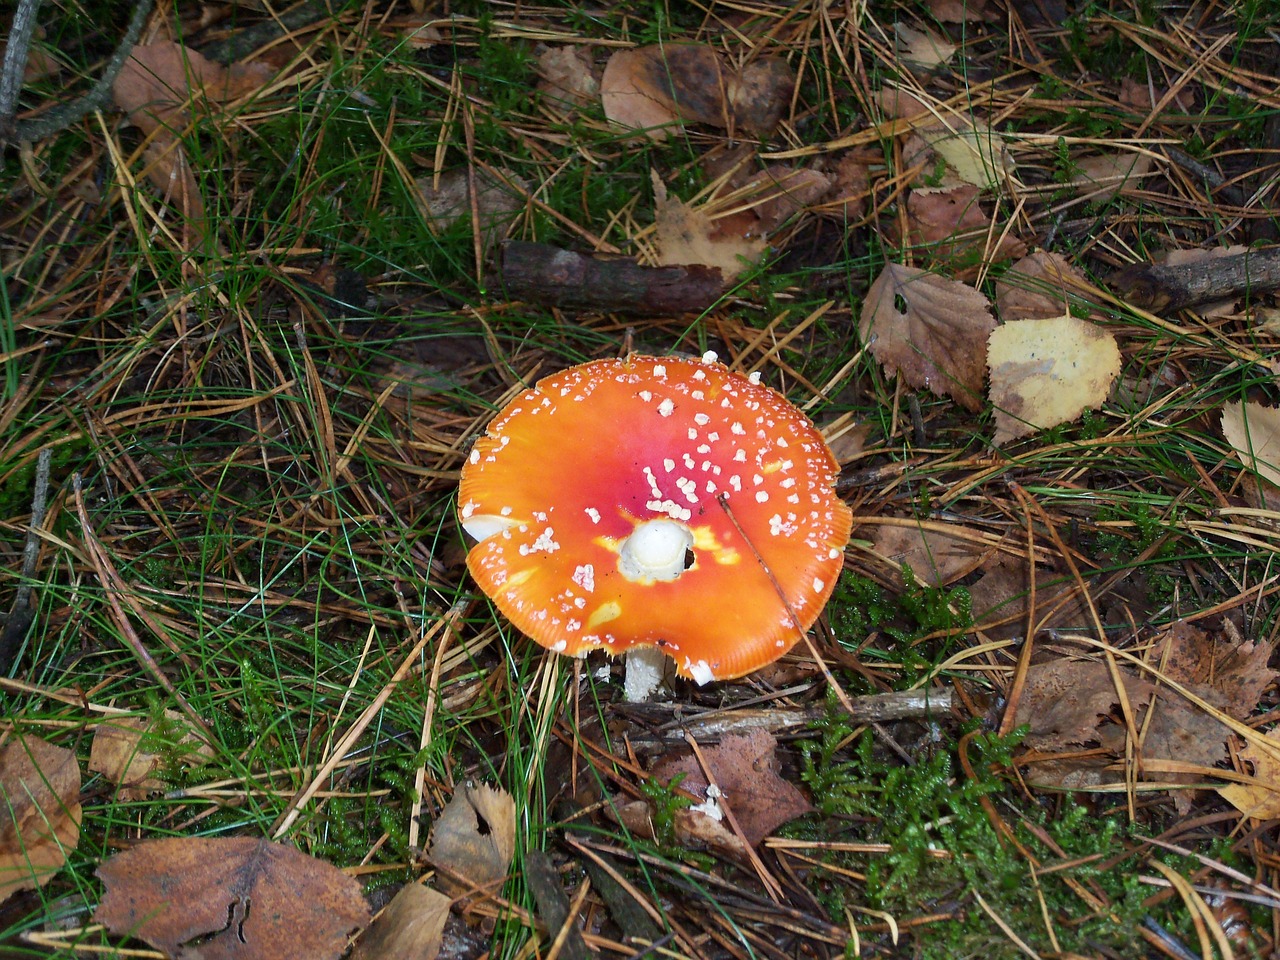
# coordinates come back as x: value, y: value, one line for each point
x: 657, y: 503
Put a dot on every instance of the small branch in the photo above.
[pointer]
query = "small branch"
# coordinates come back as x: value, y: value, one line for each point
x: 244, y: 42
x: 875, y: 708
x: 61, y: 117
x: 540, y: 273
x: 22, y: 613
x: 1162, y: 288
x: 15, y: 62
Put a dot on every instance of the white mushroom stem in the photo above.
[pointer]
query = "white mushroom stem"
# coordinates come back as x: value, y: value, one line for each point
x: 643, y: 671
x: 656, y: 550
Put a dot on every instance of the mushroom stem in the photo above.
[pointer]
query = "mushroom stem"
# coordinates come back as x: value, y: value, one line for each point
x: 642, y: 673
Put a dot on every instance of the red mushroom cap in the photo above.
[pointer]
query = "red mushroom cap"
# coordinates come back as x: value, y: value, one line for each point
x: 740, y: 479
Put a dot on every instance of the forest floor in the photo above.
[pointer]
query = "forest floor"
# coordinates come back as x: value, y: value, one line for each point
x: 255, y: 312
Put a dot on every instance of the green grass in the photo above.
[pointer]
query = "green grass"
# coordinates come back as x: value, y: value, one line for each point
x: 283, y: 524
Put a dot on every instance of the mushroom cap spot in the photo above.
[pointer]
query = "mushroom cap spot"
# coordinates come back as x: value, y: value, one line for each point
x: 585, y: 454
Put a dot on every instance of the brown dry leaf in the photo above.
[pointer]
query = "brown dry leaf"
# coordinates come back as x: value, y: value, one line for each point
x: 745, y: 770
x: 1065, y: 702
x: 567, y: 77
x: 696, y: 829
x: 41, y: 65
x: 1073, y: 706
x: 957, y: 11
x: 1046, y: 372
x: 999, y: 599
x: 239, y: 897
x: 653, y: 88
x: 1107, y: 174
x: 478, y: 854
x: 1142, y: 97
x: 935, y: 558
x: 1037, y: 287
x: 762, y: 198
x: 766, y: 201
x: 129, y: 750
x: 953, y: 223
x: 686, y: 235
x: 419, y: 31
x: 39, y: 812
x: 850, y: 188
x: 760, y: 95
x: 921, y: 49
x: 1259, y: 798
x: 936, y: 339
x: 410, y: 927
x: 500, y: 198
x: 1234, y: 669
x: 897, y: 103
x: 1254, y: 432
x: 157, y: 87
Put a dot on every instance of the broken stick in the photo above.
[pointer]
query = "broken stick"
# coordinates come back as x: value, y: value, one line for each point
x: 547, y: 275
x: 1164, y: 288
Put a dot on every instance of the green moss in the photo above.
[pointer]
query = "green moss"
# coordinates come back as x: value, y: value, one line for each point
x: 924, y: 622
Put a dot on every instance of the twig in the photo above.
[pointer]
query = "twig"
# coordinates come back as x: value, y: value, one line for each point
x: 15, y: 62
x: 873, y: 708
x: 21, y: 615
x: 1164, y: 288
x: 243, y: 42
x: 59, y: 118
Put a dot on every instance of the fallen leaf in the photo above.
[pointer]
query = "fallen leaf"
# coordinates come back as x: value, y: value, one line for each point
x: 1037, y: 287
x: 1233, y: 668
x: 976, y: 154
x: 410, y: 927
x: 566, y: 76
x: 1070, y: 706
x: 129, y: 750
x: 745, y: 771
x: 230, y: 897
x: 1142, y: 97
x: 474, y: 838
x: 687, y: 235
x: 1259, y: 798
x: 39, y: 812
x: 952, y: 224
x: 1254, y: 432
x: 760, y: 95
x: 923, y: 49
x: 500, y: 198
x: 1107, y: 174
x: 850, y: 188
x: 1046, y: 372
x: 935, y: 558
x: 929, y: 330
x: 957, y: 11
x: 653, y: 88
x: 419, y: 31
x: 158, y: 86
x: 897, y: 103
x: 999, y: 599
x: 697, y: 830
